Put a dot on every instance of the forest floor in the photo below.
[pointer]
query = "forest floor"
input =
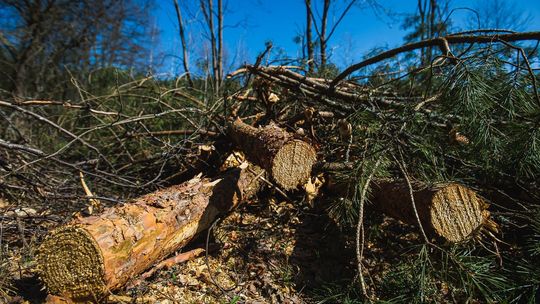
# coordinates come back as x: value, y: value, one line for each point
x: 267, y: 251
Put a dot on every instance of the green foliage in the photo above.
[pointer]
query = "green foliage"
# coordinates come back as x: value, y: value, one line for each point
x: 337, y: 293
x: 497, y: 110
x: 328, y: 71
x: 411, y: 281
x: 234, y: 300
x: 435, y: 275
x: 489, y: 98
x: 344, y: 210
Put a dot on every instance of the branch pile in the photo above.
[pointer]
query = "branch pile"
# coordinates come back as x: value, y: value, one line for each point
x: 427, y: 146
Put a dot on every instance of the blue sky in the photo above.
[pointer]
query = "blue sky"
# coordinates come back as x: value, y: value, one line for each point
x: 250, y: 23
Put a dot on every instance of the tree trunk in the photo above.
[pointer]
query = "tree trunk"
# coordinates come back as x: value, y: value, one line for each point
x: 91, y: 256
x: 431, y: 30
x: 185, y: 59
x: 422, y: 12
x: 288, y: 160
x: 322, y: 38
x: 220, y: 43
x: 208, y: 12
x: 309, y: 39
x: 451, y: 211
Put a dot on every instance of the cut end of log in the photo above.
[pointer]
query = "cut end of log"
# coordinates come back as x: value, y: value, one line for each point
x: 288, y: 160
x: 71, y: 264
x: 292, y: 164
x: 450, y: 210
x: 456, y: 212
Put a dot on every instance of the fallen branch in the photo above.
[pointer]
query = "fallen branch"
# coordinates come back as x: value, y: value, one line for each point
x: 177, y: 259
x: 174, y: 132
x: 441, y: 42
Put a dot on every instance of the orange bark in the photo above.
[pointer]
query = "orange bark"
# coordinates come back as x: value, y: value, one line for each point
x: 91, y: 256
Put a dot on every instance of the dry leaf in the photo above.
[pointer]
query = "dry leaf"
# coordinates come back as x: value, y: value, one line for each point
x: 273, y: 98
x: 312, y: 188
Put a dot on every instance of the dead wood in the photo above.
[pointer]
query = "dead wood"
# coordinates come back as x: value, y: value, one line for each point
x: 91, y: 256
x: 441, y: 42
x: 451, y: 210
x: 448, y: 210
x: 288, y: 160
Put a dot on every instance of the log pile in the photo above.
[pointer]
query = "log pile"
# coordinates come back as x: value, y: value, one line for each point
x: 92, y: 256
x: 288, y: 119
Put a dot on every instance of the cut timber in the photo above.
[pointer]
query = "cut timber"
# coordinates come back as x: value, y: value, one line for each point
x: 451, y: 211
x: 288, y: 160
x: 91, y: 256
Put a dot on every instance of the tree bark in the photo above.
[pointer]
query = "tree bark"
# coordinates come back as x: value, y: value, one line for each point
x: 287, y: 160
x: 91, y: 256
x: 451, y: 211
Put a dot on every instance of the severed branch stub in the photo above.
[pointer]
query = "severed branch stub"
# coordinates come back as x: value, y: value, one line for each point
x: 288, y: 160
x: 92, y: 256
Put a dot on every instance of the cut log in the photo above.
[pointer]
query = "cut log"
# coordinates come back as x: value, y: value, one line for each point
x: 286, y: 159
x: 91, y: 256
x: 451, y: 211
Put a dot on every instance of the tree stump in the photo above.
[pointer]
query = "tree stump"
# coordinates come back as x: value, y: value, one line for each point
x: 91, y: 256
x: 286, y: 159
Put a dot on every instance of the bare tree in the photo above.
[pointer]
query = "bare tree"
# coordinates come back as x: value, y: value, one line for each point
x: 323, y: 39
x: 216, y: 43
x: 43, y: 41
x: 309, y: 39
x: 185, y: 58
x: 499, y: 14
x: 220, y: 41
x: 428, y: 21
x: 321, y: 26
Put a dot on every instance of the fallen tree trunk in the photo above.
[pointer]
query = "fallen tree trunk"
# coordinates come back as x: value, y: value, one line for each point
x: 91, y: 256
x: 451, y: 211
x: 286, y: 159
